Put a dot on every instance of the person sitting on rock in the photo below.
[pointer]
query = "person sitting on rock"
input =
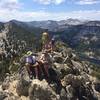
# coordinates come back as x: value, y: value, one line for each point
x: 49, y: 73
x: 32, y: 66
x: 46, y: 61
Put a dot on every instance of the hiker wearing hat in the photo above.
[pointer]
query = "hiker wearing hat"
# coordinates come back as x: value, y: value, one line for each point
x: 32, y: 66
x: 45, y: 37
x: 45, y: 40
x: 48, y: 44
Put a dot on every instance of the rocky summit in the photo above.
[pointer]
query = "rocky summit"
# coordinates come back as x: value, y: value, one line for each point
x: 77, y: 82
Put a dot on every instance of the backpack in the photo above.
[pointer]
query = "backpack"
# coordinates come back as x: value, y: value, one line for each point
x: 31, y: 59
x: 53, y: 40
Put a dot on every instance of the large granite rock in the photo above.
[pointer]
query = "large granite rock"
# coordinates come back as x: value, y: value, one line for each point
x: 40, y: 90
x: 6, y: 95
x: 23, y: 87
x: 97, y: 85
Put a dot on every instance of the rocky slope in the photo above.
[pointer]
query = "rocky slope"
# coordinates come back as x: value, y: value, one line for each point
x: 75, y: 76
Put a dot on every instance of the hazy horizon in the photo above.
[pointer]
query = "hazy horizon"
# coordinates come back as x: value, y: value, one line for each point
x: 83, y: 20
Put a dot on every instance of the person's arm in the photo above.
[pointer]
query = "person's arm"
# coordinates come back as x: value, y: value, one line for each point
x: 27, y: 64
x: 42, y: 56
x: 36, y: 64
x: 48, y: 50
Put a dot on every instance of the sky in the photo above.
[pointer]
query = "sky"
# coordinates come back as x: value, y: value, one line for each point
x: 37, y: 10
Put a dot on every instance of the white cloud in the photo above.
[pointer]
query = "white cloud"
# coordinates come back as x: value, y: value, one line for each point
x: 10, y: 4
x: 6, y: 15
x: 87, y: 2
x: 47, y: 2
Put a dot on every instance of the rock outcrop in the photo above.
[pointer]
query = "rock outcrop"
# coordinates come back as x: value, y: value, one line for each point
x: 41, y: 90
x: 77, y: 83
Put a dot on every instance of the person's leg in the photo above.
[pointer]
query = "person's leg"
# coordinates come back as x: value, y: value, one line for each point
x: 28, y: 68
x: 33, y: 72
x: 40, y: 69
x: 40, y: 72
x: 36, y: 72
x: 46, y: 70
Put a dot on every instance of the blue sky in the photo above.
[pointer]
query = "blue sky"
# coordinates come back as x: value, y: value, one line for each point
x: 29, y: 10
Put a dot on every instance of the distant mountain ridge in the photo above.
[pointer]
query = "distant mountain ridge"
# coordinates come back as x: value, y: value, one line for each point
x: 81, y: 35
x: 50, y: 24
x: 55, y: 25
